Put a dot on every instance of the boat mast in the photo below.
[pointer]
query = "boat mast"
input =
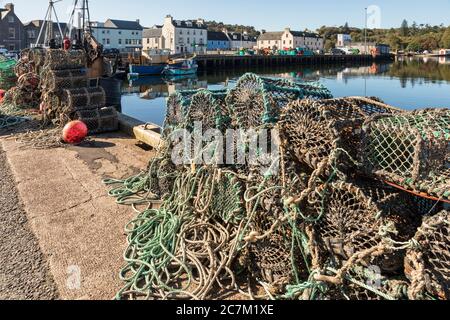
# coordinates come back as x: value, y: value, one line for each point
x: 47, y: 24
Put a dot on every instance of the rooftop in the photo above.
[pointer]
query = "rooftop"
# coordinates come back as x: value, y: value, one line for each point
x: 120, y: 24
x: 152, y: 33
x: 217, y: 36
x: 271, y: 36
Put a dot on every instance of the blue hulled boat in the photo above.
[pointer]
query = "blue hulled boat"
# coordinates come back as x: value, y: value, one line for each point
x: 181, y: 67
x: 147, y: 70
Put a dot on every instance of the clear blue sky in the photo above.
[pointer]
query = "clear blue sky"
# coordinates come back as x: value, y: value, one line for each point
x: 263, y: 14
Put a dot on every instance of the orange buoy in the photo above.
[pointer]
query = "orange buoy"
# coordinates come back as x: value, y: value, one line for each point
x: 75, y: 132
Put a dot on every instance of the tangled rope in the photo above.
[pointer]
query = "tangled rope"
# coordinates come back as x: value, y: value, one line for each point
x: 300, y: 223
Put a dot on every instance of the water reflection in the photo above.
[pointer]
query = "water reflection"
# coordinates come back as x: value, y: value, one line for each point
x: 407, y: 83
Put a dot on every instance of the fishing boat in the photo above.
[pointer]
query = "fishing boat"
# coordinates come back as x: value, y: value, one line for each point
x: 181, y: 67
x: 153, y: 63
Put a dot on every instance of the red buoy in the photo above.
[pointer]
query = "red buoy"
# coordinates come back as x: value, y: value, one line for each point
x: 67, y: 44
x: 2, y: 94
x: 75, y: 132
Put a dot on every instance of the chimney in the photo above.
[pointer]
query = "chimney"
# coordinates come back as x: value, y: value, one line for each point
x: 9, y: 7
x: 263, y: 31
x: 287, y: 30
x: 138, y: 21
x: 168, y: 19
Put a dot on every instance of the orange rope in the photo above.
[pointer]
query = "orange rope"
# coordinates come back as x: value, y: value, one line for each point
x: 421, y: 195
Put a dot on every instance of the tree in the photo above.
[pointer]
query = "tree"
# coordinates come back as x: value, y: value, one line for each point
x: 414, y: 46
x: 445, y: 40
x: 329, y: 45
x: 404, y: 29
x: 414, y: 28
x: 346, y: 28
x: 395, y: 42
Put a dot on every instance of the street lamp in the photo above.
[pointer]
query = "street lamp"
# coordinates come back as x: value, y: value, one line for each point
x: 365, y: 31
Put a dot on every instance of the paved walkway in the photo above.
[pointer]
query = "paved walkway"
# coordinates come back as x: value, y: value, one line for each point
x: 79, y: 229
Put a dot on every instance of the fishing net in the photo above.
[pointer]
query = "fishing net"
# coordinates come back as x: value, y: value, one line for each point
x: 318, y: 132
x: 207, y: 109
x: 359, y: 224
x: 312, y: 90
x: 7, y: 121
x: 83, y: 98
x: 7, y: 74
x: 57, y: 59
x: 428, y: 264
x: 257, y: 100
x: 271, y: 226
x: 178, y: 105
x: 26, y: 95
x: 365, y: 284
x: 223, y: 198
x: 410, y: 150
x: 99, y: 120
x: 55, y: 80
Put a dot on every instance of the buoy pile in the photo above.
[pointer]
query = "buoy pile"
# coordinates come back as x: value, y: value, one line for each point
x: 309, y: 221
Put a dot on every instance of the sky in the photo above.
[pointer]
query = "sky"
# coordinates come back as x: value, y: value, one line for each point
x: 263, y: 14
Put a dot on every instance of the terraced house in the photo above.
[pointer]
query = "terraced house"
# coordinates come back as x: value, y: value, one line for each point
x: 218, y: 41
x: 119, y: 34
x: 289, y: 39
x: 12, y: 34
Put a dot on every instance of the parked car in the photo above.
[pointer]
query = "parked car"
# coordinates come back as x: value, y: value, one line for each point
x: 10, y: 55
x: 338, y: 52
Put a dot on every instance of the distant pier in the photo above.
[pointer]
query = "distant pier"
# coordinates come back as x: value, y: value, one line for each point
x: 232, y: 61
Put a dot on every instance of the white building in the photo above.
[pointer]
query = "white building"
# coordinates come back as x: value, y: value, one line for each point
x: 184, y: 36
x: 288, y: 39
x: 118, y: 34
x: 152, y: 38
x: 343, y: 40
x: 241, y: 40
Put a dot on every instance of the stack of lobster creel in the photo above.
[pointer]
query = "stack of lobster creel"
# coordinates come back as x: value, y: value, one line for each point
x: 274, y: 189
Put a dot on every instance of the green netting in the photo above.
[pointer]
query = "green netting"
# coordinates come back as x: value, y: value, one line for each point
x: 410, y: 150
x: 256, y: 100
x: 7, y: 74
x: 178, y: 106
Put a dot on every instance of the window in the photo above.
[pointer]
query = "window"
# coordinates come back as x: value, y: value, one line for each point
x: 12, y: 47
x: 11, y: 19
x: 31, y: 34
x: 103, y: 31
x: 108, y: 41
x: 12, y: 33
x: 120, y: 32
x: 120, y: 41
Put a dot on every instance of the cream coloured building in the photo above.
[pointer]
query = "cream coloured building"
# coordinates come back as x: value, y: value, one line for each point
x: 289, y: 39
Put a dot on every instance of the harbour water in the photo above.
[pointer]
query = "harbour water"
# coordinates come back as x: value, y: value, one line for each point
x: 408, y: 83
